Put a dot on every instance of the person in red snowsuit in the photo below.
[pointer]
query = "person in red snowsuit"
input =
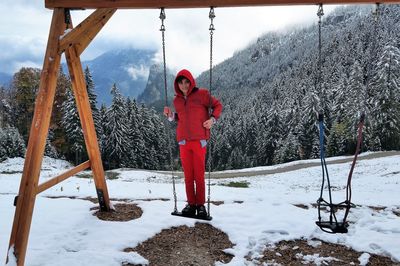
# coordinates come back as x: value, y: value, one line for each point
x: 192, y: 106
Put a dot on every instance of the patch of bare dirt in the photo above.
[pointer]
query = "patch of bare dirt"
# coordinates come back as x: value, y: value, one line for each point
x: 217, y: 202
x: 396, y: 211
x: 95, y: 200
x: 377, y: 208
x: 91, y: 199
x: 152, y: 199
x: 61, y: 197
x: 315, y: 252
x: 201, y: 245
x: 123, y: 212
x: 302, y: 206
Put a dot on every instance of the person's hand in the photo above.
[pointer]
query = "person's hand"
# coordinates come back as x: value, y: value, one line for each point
x: 167, y: 111
x: 208, y: 123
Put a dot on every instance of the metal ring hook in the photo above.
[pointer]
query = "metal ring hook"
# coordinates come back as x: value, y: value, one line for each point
x: 320, y: 12
x: 162, y: 17
x: 211, y: 15
x: 376, y: 11
x: 67, y: 17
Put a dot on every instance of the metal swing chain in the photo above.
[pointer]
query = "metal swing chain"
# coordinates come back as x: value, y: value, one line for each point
x: 325, y: 173
x: 67, y: 18
x: 211, y: 15
x: 375, y: 14
x: 320, y: 13
x: 162, y: 29
x: 320, y: 201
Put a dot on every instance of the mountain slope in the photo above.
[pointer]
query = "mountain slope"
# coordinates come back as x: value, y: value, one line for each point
x: 154, y: 90
x: 128, y: 68
x: 272, y: 95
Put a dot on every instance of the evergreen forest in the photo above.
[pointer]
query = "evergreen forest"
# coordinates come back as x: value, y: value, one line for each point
x: 272, y: 93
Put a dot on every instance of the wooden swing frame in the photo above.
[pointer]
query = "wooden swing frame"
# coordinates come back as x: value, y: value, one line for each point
x: 72, y: 43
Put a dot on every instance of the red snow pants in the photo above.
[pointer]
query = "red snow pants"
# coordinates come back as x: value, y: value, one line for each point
x: 193, y: 158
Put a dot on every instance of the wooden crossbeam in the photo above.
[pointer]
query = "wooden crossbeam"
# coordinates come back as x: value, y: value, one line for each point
x: 84, y: 33
x: 54, y: 181
x: 138, y: 4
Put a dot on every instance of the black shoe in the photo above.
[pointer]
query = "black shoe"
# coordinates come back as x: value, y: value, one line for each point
x: 189, y: 210
x: 201, y: 211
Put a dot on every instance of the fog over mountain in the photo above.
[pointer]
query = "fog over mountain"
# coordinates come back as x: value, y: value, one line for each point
x: 127, y: 68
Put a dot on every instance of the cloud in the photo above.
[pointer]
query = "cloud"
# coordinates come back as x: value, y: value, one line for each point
x: 23, y: 35
x: 19, y: 51
x: 25, y: 24
x: 138, y: 72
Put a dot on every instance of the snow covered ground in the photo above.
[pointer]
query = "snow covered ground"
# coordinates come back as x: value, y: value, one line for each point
x: 64, y: 231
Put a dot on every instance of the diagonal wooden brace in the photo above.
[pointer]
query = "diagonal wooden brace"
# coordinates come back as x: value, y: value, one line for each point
x: 89, y: 132
x: 84, y: 33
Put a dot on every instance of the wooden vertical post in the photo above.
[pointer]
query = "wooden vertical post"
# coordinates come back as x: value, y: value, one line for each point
x: 89, y: 132
x: 28, y: 190
x: 25, y: 201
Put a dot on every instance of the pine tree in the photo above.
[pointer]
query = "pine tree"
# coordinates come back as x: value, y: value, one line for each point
x: 308, y: 128
x: 160, y: 142
x: 354, y: 103
x: 271, y: 132
x: 222, y: 146
x: 5, y: 108
x: 59, y: 138
x: 93, y: 102
x: 385, y: 103
x: 137, y: 151
x: 11, y: 144
x: 288, y: 149
x: 73, y: 129
x: 50, y: 150
x: 150, y: 160
x: 103, y: 121
x: 237, y: 159
x: 116, y: 146
x: 340, y: 140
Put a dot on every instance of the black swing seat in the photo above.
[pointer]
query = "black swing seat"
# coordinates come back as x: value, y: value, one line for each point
x: 207, y: 218
x: 333, y: 227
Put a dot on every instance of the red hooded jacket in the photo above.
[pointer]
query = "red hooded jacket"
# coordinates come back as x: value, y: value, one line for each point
x: 192, y: 110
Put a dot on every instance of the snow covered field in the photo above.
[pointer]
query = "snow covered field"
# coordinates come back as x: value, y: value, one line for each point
x: 64, y: 231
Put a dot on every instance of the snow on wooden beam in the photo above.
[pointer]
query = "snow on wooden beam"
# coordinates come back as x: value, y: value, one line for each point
x: 143, y: 4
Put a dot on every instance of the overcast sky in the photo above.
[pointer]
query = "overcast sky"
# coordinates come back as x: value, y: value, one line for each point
x: 24, y: 27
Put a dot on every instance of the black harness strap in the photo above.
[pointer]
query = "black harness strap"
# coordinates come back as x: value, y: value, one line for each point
x: 333, y: 225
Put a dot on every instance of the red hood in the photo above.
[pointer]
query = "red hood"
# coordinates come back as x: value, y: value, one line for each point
x: 187, y: 75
